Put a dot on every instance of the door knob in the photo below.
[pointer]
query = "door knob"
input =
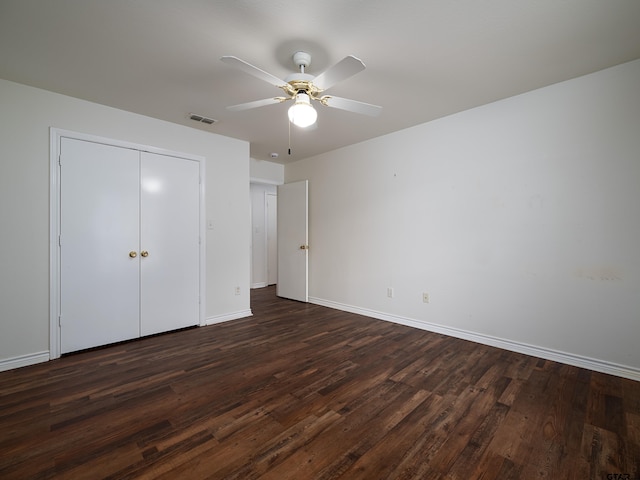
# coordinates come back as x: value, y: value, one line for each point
x: 133, y: 254
x: 304, y: 247
x: 144, y: 253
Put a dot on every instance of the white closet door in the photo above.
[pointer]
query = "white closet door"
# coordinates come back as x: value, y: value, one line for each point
x: 99, y: 218
x: 169, y: 236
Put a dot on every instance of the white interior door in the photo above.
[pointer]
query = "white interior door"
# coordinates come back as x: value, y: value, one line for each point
x: 293, y: 241
x: 169, y: 243
x: 99, y: 212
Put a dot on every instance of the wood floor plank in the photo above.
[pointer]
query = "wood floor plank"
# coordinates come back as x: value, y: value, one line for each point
x: 302, y: 391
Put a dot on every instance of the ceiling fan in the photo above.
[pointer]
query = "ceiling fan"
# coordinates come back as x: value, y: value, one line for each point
x: 302, y: 88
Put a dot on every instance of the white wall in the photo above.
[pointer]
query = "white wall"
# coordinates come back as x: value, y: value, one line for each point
x: 26, y: 115
x: 266, y: 172
x: 519, y: 218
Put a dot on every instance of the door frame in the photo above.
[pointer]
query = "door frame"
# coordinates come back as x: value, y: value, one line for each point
x: 271, y: 238
x: 55, y: 136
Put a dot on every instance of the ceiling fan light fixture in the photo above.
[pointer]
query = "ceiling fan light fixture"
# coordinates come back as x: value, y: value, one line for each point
x: 302, y: 113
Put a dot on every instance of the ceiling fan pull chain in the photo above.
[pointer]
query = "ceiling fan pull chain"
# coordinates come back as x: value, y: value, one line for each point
x: 289, y: 124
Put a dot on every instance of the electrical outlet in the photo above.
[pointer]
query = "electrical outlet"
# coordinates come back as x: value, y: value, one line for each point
x: 425, y: 297
x: 237, y: 290
x: 390, y: 292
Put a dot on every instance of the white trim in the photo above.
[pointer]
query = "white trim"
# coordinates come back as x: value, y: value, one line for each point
x: 265, y: 239
x: 259, y: 285
x: 54, y: 247
x: 532, y: 350
x: 55, y: 136
x: 59, y: 132
x: 23, y: 360
x: 229, y: 316
x: 269, y: 266
x: 203, y: 240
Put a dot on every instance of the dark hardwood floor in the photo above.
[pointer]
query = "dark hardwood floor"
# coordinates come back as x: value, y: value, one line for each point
x: 304, y: 392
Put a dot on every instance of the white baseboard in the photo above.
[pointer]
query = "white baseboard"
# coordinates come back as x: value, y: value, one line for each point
x: 259, y: 285
x: 40, y: 357
x: 23, y: 360
x: 532, y: 350
x: 228, y: 316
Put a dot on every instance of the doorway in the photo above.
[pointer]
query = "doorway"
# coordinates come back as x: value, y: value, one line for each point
x: 264, y: 235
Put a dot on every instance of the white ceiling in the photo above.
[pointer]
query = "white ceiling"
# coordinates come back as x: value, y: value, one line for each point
x: 425, y: 58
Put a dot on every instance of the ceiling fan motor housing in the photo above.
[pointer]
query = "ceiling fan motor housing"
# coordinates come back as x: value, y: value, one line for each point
x: 301, y: 81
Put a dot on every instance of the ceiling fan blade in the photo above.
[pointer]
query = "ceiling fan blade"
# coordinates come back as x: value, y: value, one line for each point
x: 256, y: 104
x: 351, y: 105
x: 342, y: 70
x: 253, y: 70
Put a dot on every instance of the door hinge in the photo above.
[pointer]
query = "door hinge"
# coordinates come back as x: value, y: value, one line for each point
x: 60, y: 320
x: 59, y: 240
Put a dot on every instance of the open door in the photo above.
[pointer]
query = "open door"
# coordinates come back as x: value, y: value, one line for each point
x: 293, y: 241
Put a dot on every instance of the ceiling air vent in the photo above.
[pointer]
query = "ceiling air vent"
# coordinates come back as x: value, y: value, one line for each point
x: 201, y: 119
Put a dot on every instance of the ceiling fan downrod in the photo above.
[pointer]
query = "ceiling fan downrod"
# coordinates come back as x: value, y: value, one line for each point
x: 302, y: 60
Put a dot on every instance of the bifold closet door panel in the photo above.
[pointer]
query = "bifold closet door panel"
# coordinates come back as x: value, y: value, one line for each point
x: 169, y: 243
x: 99, y: 244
